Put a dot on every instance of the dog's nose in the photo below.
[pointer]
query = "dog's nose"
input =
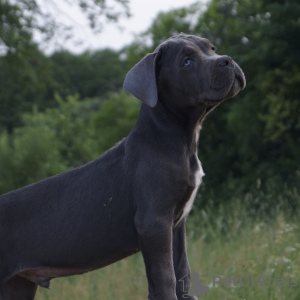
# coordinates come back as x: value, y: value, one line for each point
x: 225, y: 61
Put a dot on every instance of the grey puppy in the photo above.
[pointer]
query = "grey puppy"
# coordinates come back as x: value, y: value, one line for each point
x: 136, y: 196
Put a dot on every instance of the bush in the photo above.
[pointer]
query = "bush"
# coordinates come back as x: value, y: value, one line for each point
x: 63, y: 138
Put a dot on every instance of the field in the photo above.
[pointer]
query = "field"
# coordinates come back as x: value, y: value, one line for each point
x: 230, y: 241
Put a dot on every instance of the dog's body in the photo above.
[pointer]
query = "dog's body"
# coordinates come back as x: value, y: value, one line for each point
x: 136, y: 196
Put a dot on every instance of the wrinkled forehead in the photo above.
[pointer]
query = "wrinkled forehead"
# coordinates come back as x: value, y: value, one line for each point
x: 182, y: 42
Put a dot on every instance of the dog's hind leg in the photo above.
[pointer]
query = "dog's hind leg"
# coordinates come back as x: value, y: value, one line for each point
x: 18, y: 288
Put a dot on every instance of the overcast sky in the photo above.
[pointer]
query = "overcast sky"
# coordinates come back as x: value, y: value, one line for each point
x: 143, y: 13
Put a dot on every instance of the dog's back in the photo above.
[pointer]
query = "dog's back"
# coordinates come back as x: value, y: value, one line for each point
x: 66, y: 210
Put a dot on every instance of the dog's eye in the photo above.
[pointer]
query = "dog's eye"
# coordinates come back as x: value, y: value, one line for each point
x: 188, y: 62
x: 213, y: 48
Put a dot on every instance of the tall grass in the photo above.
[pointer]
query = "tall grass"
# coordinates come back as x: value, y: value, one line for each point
x: 232, y: 240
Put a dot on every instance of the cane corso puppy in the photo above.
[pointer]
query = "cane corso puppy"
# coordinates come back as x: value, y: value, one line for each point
x: 136, y: 196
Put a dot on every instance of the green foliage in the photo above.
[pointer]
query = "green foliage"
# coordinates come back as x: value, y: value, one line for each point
x: 24, y: 70
x: 63, y: 138
x: 70, y: 124
x: 33, y: 80
x: 47, y: 144
x: 91, y: 74
x: 115, y: 119
x: 28, y: 78
x: 28, y: 155
x: 282, y: 104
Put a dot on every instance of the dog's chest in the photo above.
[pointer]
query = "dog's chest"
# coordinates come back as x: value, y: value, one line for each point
x: 196, y: 179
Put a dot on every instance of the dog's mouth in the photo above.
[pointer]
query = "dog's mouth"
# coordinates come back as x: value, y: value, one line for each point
x: 239, y: 77
x: 239, y: 81
x: 238, y: 84
x: 226, y: 84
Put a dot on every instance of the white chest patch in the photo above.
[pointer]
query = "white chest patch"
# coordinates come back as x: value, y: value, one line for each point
x: 197, y: 133
x: 198, y: 179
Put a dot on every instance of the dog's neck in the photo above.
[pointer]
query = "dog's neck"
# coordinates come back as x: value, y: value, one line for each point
x: 182, y: 126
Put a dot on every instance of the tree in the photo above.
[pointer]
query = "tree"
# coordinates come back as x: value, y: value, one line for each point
x: 27, y: 77
x: 115, y: 119
x: 24, y: 70
x: 67, y: 136
x: 91, y: 74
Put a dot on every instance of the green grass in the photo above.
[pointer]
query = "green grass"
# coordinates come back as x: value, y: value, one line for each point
x: 257, y: 250
x: 228, y: 241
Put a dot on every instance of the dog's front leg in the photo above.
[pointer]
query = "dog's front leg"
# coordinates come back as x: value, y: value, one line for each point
x: 155, y: 239
x: 181, y: 264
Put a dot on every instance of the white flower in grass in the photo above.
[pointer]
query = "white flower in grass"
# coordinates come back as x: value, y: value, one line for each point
x: 289, y: 249
x: 286, y: 260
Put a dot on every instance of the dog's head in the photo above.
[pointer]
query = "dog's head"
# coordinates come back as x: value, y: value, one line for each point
x: 185, y: 71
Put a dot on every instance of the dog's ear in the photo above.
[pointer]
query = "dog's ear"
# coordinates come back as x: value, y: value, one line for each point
x: 140, y: 81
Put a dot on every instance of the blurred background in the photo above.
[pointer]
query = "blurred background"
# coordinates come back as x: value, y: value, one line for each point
x: 62, y: 65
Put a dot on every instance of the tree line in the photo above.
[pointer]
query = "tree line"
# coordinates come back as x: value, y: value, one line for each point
x: 59, y: 111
